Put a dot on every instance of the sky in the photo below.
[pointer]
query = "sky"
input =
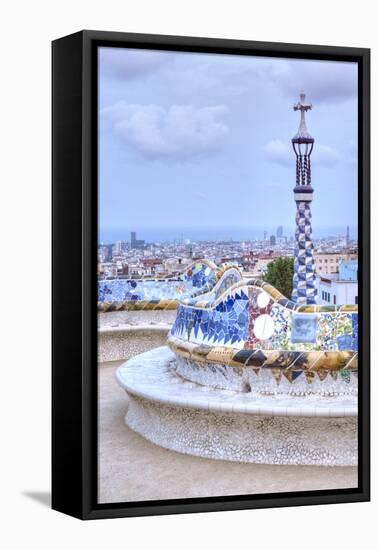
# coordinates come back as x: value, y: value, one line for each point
x: 189, y: 141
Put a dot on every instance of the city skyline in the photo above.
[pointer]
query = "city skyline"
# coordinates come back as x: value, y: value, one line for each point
x: 176, y: 151
x: 164, y: 234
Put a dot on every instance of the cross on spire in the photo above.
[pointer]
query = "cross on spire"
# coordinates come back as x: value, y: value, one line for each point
x: 302, y: 136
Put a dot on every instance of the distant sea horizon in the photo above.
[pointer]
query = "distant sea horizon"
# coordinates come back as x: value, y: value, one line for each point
x: 169, y: 234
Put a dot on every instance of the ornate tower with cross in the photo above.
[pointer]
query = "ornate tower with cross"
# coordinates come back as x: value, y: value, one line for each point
x: 304, y: 289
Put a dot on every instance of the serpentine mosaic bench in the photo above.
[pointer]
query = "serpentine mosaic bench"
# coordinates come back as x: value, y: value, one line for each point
x: 251, y: 338
x: 250, y: 377
x: 163, y: 293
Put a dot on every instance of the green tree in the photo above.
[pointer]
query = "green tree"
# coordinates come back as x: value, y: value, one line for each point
x: 280, y: 275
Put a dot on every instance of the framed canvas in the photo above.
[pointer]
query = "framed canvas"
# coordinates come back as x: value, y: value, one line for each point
x: 211, y: 287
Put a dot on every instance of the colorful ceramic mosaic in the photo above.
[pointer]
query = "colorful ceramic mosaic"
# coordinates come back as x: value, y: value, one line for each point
x: 228, y: 275
x: 164, y: 293
x: 251, y: 324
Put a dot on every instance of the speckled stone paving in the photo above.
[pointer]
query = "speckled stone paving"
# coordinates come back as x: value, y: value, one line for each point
x: 225, y: 424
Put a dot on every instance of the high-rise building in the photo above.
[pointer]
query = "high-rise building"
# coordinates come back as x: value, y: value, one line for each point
x: 136, y: 243
x: 279, y: 231
x: 272, y: 240
x: 119, y: 247
x: 304, y: 288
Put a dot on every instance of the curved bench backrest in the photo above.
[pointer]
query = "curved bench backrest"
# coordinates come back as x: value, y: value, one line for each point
x: 254, y: 315
x: 163, y: 293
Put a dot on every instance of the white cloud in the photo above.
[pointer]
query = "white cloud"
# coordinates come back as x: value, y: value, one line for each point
x: 323, y: 81
x: 217, y: 75
x: 325, y: 155
x: 126, y: 64
x: 281, y: 152
x: 178, y: 133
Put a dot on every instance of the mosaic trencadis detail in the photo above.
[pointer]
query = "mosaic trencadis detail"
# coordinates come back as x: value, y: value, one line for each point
x: 251, y: 324
x: 163, y: 293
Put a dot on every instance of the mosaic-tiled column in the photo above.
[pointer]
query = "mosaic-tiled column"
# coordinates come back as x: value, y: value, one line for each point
x: 304, y: 289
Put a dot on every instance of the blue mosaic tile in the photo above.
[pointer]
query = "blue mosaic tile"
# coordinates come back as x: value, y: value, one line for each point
x: 355, y: 331
x: 199, y: 278
x: 345, y: 342
x: 230, y: 320
x: 304, y: 328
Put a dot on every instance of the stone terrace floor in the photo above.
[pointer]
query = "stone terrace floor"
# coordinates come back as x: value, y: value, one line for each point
x: 131, y: 468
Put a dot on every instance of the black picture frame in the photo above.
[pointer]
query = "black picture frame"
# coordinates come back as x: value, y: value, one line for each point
x: 74, y: 332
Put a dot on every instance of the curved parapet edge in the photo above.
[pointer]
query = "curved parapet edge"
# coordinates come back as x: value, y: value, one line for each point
x: 289, y: 361
x: 199, y: 302
x: 138, y: 305
x: 228, y: 276
x: 252, y: 324
x: 168, y: 303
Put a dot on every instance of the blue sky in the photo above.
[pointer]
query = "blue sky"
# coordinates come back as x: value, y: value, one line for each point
x: 196, y: 140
